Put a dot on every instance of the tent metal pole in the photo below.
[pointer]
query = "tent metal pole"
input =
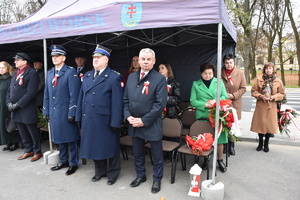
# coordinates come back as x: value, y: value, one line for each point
x: 45, y: 58
x: 219, y: 67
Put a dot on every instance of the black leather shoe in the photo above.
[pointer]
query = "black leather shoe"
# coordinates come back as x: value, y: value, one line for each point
x: 97, y: 178
x: 111, y: 181
x: 155, y: 187
x: 14, y: 146
x: 71, y: 170
x: 222, y: 166
x: 7, y: 147
x: 59, y: 166
x: 138, y: 181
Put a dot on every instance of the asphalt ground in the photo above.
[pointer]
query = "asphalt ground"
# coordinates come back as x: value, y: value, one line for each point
x: 250, y: 175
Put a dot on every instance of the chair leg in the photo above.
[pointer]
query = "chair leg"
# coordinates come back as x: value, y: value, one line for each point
x: 208, y: 166
x: 83, y: 161
x: 124, y: 152
x: 227, y: 153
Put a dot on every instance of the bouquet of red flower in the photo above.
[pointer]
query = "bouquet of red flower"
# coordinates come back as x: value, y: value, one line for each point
x: 200, y: 143
x: 226, y: 117
x: 286, y: 116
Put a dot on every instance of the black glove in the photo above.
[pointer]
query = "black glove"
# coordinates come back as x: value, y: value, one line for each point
x: 115, y: 129
x: 79, y: 125
x: 47, y: 118
x: 71, y: 119
x: 12, y: 107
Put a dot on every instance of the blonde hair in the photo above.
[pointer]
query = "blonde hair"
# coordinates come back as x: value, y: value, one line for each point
x: 131, y: 69
x: 9, y: 68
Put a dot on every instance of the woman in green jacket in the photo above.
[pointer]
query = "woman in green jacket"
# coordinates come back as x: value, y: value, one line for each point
x: 203, y: 97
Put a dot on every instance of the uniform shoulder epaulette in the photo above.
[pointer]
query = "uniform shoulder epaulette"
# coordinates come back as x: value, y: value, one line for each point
x: 70, y: 67
x: 116, y: 72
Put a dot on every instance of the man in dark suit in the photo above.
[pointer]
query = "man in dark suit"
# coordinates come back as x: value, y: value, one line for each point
x: 21, y: 102
x: 100, y: 111
x: 60, y: 102
x: 144, y: 100
x: 38, y: 66
x: 80, y: 66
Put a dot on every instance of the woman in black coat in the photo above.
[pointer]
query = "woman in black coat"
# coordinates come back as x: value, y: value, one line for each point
x: 172, y: 109
x: 11, y: 140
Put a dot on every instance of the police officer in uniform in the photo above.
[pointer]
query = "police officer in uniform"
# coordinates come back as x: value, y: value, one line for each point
x: 100, y: 108
x: 81, y: 67
x: 21, y: 102
x: 60, y: 99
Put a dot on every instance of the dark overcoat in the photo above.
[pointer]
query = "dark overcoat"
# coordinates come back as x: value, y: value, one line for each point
x: 61, y: 102
x: 100, y: 107
x: 4, y: 84
x: 24, y: 93
x: 148, y: 107
x: 173, y: 99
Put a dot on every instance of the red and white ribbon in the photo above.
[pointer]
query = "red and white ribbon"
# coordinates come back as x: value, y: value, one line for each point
x: 81, y: 76
x: 146, y: 88
x: 55, y: 80
x: 230, y: 79
x: 21, y: 80
x: 169, y: 88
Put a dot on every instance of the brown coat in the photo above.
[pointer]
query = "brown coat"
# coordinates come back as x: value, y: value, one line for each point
x: 237, y: 89
x: 265, y: 120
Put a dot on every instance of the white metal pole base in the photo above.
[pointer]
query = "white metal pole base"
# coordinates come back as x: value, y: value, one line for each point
x: 51, y: 158
x: 212, y: 192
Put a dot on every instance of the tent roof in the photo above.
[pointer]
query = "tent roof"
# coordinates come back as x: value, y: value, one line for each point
x: 152, y: 18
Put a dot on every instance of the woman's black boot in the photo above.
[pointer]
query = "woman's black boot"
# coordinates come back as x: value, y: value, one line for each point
x: 266, y: 144
x: 260, y: 142
x: 7, y: 147
x: 222, y: 165
x: 14, y: 146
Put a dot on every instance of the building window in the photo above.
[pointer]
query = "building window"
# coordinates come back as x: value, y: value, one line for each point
x: 260, y: 60
x: 292, y: 60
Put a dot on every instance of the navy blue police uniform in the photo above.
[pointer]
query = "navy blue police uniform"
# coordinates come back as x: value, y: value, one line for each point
x: 100, y: 111
x: 60, y: 103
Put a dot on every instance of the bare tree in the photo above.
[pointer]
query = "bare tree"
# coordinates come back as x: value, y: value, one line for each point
x: 294, y: 27
x: 13, y: 11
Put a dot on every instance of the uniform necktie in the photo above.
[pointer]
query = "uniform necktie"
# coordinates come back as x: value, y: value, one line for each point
x: 55, y: 78
x: 142, y: 75
x: 96, y: 74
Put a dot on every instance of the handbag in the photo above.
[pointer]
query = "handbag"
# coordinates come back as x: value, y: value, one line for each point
x: 11, y: 126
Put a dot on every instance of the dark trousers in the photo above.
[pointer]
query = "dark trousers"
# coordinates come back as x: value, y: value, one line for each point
x: 30, y: 136
x: 65, y: 149
x: 139, y: 158
x: 111, y: 167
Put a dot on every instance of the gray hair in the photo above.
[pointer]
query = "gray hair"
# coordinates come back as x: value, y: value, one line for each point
x: 147, y: 50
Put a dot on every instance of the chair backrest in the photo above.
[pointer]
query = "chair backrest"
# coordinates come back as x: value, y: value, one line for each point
x: 172, y: 127
x: 188, y: 118
x: 201, y: 127
x: 184, y: 105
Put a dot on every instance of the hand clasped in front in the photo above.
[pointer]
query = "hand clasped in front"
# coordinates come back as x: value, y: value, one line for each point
x: 135, y: 122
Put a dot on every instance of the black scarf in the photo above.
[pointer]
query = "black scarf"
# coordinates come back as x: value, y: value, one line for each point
x: 207, y: 82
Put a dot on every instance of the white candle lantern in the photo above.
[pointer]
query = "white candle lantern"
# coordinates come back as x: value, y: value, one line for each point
x: 195, y: 172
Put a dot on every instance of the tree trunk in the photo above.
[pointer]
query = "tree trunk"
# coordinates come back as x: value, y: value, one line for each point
x: 288, y: 4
